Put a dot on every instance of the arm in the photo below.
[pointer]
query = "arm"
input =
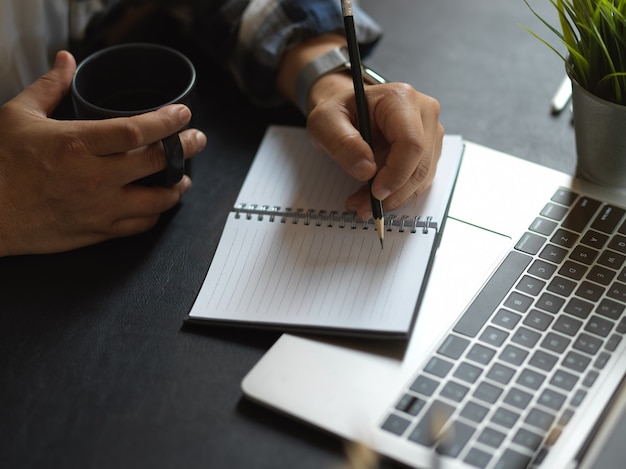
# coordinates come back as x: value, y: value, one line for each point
x: 406, y: 129
x: 407, y: 135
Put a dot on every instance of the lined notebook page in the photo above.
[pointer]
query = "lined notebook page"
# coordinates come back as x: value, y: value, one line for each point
x: 310, y: 180
x: 312, y: 276
x: 289, y: 172
x: 298, y: 276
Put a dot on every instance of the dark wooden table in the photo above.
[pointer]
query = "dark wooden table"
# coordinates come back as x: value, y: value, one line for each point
x: 97, y: 367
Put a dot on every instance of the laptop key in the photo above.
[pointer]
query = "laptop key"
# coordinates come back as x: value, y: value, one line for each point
x: 590, y: 291
x: 530, y: 243
x: 617, y: 291
x: 518, y: 398
x: 599, y: 326
x: 438, y: 367
x: 491, y: 437
x: 594, y: 239
x: 507, y: 319
x: 543, y: 226
x: 492, y: 293
x: 584, y: 254
x: 542, y: 360
x: 493, y: 336
x: 530, y: 379
x: 474, y: 412
x: 477, y: 458
x: 601, y: 275
x: 538, y: 320
x: 525, y: 337
x: 453, y: 346
x: 453, y: 442
x: 429, y: 427
x: 551, y: 399
x: 527, y: 439
x: 513, y: 355
x: 579, y: 308
x: 613, y: 342
x: 511, y: 459
x: 500, y: 373
x: 611, y: 259
x: 454, y: 391
x: 610, y: 309
x: 564, y: 238
x: 567, y: 325
x: 576, y: 362
x: 424, y: 385
x: 602, y: 360
x: 542, y: 269
x: 468, y: 373
x: 573, y: 270
x: 504, y: 417
x: 396, y: 424
x: 564, y: 196
x: 581, y: 214
x: 608, y: 218
x: 487, y: 392
x: 410, y: 404
x: 564, y: 380
x: 540, y: 419
x: 554, y: 212
x: 555, y: 342
x: 481, y: 354
x: 618, y: 243
x: 588, y: 344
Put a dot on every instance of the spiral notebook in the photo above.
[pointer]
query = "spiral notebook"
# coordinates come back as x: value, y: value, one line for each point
x: 291, y: 258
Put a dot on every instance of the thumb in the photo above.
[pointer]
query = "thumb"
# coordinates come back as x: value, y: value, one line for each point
x: 46, y: 93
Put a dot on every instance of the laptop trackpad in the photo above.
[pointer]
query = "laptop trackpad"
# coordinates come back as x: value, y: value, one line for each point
x: 330, y: 383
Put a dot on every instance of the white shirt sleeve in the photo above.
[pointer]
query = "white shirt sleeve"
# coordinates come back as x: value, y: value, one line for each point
x: 31, y: 32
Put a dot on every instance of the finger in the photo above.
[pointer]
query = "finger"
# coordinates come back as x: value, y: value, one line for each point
x: 45, y: 94
x: 361, y: 203
x: 122, y: 134
x: 150, y: 159
x: 137, y: 202
x: 420, y: 179
x: 410, y: 128
x: 330, y: 129
x: 132, y: 226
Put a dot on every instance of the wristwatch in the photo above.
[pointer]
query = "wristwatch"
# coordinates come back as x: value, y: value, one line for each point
x: 335, y: 60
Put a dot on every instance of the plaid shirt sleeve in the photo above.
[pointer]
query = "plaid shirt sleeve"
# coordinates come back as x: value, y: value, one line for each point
x: 249, y: 37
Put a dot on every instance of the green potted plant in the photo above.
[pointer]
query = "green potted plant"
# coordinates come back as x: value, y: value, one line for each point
x: 593, y: 33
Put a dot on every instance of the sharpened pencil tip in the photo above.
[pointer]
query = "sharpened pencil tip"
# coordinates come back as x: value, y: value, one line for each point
x: 381, y: 243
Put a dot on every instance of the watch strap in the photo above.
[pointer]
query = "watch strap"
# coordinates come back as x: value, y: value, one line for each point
x: 335, y: 60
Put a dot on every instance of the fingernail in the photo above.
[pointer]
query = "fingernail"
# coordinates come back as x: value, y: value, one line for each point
x: 364, y: 169
x: 59, y: 59
x: 381, y: 194
x: 186, y: 184
x: 182, y: 112
x: 200, y: 139
x: 366, y: 215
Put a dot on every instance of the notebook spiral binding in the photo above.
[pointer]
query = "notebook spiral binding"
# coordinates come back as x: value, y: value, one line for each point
x: 332, y: 218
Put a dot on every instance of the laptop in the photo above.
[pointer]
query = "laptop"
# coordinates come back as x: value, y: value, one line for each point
x: 517, y: 355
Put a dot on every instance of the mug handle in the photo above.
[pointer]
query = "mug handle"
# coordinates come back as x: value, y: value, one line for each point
x: 175, y: 169
x: 175, y: 160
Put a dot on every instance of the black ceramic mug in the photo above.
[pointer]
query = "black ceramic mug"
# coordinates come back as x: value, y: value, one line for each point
x: 132, y: 79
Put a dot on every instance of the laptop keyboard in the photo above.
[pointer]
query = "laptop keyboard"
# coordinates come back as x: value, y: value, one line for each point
x: 512, y: 371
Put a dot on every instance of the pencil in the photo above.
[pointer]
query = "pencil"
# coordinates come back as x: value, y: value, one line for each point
x: 361, y: 106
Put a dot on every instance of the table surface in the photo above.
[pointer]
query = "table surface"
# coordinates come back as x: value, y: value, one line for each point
x: 97, y: 367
